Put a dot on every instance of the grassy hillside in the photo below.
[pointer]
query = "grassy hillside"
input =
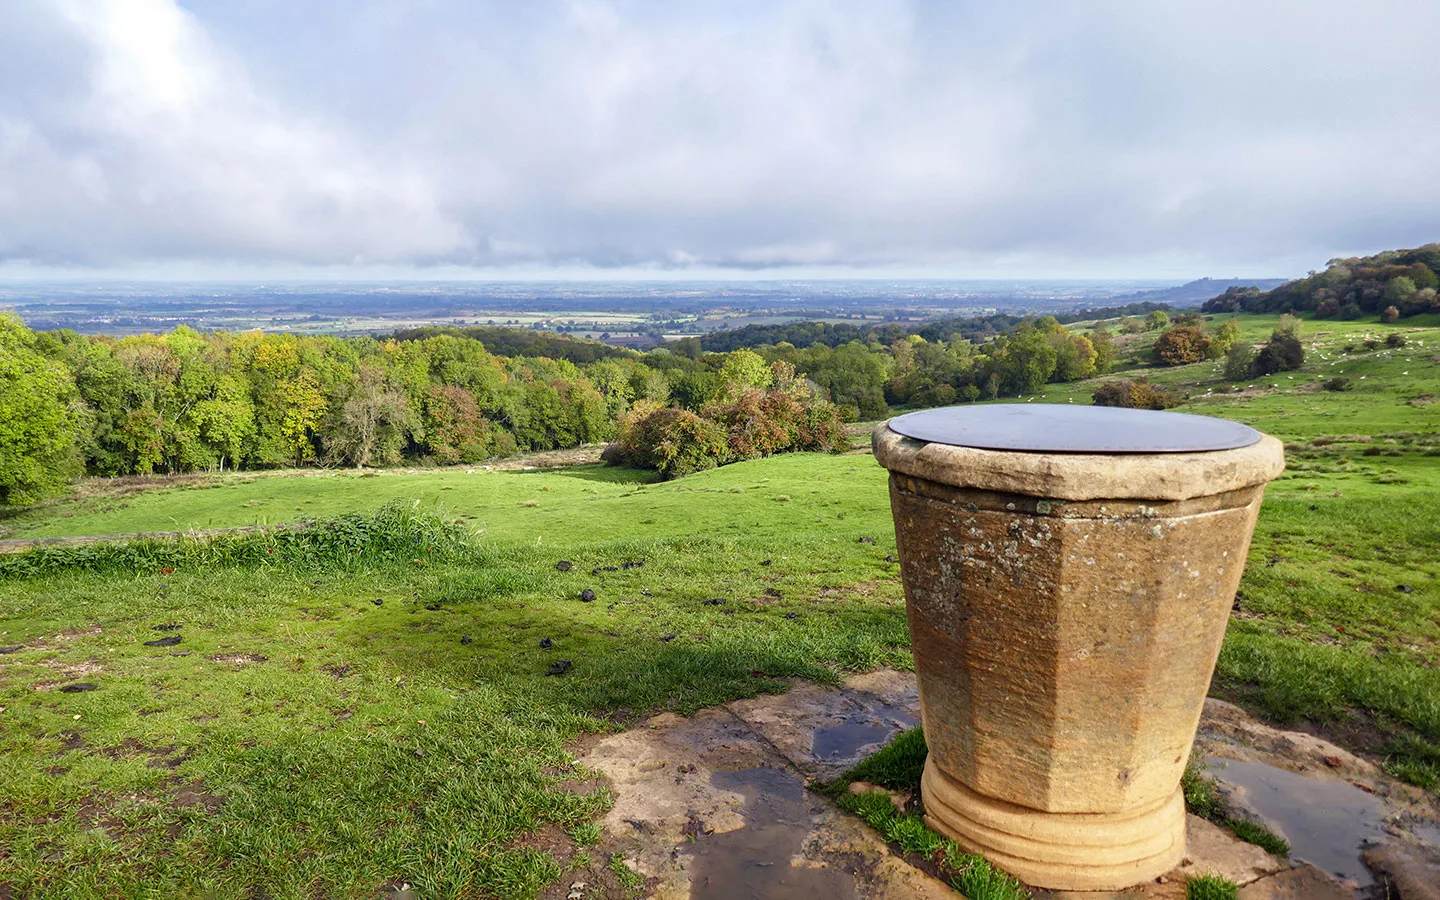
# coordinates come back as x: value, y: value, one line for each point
x: 301, y: 740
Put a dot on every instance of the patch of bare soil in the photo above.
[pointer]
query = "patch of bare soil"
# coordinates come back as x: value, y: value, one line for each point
x: 238, y: 659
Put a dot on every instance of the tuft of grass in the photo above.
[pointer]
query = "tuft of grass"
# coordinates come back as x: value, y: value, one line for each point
x: 1211, y: 887
x: 1257, y: 834
x: 898, y: 765
x: 1201, y: 797
x: 970, y: 874
x: 1203, y: 800
x: 586, y: 834
x: 628, y: 877
x: 1414, y: 760
x: 396, y: 530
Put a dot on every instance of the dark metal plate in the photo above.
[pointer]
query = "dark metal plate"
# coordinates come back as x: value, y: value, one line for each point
x: 1052, y: 428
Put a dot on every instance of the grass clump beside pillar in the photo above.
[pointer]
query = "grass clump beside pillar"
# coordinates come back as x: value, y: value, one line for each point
x: 1211, y: 887
x: 1202, y: 799
x: 899, y: 765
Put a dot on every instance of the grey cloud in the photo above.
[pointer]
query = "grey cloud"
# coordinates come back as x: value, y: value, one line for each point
x: 745, y: 134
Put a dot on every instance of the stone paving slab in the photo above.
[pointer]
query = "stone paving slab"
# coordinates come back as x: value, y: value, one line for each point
x: 716, y: 805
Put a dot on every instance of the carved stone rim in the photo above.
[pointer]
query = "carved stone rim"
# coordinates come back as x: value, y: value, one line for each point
x: 1082, y: 476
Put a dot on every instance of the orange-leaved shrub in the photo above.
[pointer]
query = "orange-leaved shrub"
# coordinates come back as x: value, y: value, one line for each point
x: 1137, y: 394
x: 743, y: 424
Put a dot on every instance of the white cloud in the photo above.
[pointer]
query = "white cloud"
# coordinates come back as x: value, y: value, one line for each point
x: 168, y: 151
x: 745, y: 134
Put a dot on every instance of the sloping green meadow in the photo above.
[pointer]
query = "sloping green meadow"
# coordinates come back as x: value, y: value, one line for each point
x: 301, y: 740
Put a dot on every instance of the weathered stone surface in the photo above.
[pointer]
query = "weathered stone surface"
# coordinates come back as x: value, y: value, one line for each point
x: 1407, y: 873
x: 704, y: 803
x: 1212, y: 850
x: 822, y: 731
x: 1082, y: 476
x: 1301, y: 883
x: 1065, y: 615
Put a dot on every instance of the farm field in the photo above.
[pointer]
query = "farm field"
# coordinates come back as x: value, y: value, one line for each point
x: 368, y: 705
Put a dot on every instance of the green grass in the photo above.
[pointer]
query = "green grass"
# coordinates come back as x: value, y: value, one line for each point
x: 899, y: 765
x: 370, y: 746
x: 311, y: 741
x: 1211, y: 887
x: 971, y: 875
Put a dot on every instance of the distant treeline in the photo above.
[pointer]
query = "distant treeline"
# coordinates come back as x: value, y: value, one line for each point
x: 186, y: 401
x: 971, y: 328
x: 510, y: 341
x: 1393, y: 284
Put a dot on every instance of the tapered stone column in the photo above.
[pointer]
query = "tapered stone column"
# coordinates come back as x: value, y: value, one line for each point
x: 1068, y: 576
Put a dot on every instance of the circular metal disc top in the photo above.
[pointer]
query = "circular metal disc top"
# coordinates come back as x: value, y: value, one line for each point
x: 1052, y: 428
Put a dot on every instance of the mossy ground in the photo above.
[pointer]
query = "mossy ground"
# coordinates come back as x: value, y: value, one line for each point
x: 311, y: 743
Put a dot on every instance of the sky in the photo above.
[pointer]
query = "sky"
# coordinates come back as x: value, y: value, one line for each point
x: 773, y: 138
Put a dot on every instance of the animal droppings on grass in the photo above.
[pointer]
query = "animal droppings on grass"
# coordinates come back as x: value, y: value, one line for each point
x: 559, y: 667
x: 465, y: 639
x: 378, y: 602
x: 546, y: 643
x: 666, y: 638
x: 14, y: 649
x: 170, y: 641
x: 79, y: 688
x: 764, y: 562
x: 166, y: 627
x: 564, y: 565
x: 433, y: 607
x: 792, y: 615
x: 715, y: 601
x: 867, y: 540
x: 891, y: 558
x: 587, y: 596
x: 1404, y: 588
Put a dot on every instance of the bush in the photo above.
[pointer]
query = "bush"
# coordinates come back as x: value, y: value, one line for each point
x: 672, y: 441
x: 1394, y: 339
x: 1182, y: 345
x: 747, y: 425
x: 1238, y: 361
x: 1282, y: 353
x: 1389, y: 315
x: 1137, y: 394
x: 1338, y: 383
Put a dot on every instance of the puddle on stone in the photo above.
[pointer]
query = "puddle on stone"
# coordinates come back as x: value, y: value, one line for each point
x: 753, y: 862
x: 847, y: 739
x: 1326, y: 822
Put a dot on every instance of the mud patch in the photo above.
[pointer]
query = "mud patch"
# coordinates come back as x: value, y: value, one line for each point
x: 239, y: 659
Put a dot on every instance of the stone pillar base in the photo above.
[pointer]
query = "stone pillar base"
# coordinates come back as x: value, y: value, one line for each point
x: 1059, y: 851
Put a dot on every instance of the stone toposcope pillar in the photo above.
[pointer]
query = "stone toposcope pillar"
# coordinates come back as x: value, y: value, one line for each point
x: 1068, y: 575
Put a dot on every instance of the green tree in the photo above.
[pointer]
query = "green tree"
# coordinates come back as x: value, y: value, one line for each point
x: 1399, y: 289
x: 744, y: 369
x: 1157, y: 320
x: 40, y: 419
x: 1105, y: 351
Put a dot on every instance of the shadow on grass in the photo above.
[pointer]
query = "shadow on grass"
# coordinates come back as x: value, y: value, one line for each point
x: 599, y: 472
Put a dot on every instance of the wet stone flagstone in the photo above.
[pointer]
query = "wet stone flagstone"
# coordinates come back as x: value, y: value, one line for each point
x: 716, y: 806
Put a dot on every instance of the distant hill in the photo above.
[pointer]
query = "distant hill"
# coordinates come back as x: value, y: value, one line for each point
x: 1393, y: 284
x: 1194, y: 293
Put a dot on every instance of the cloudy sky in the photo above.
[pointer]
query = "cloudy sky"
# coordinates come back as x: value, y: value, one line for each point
x: 1082, y: 138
